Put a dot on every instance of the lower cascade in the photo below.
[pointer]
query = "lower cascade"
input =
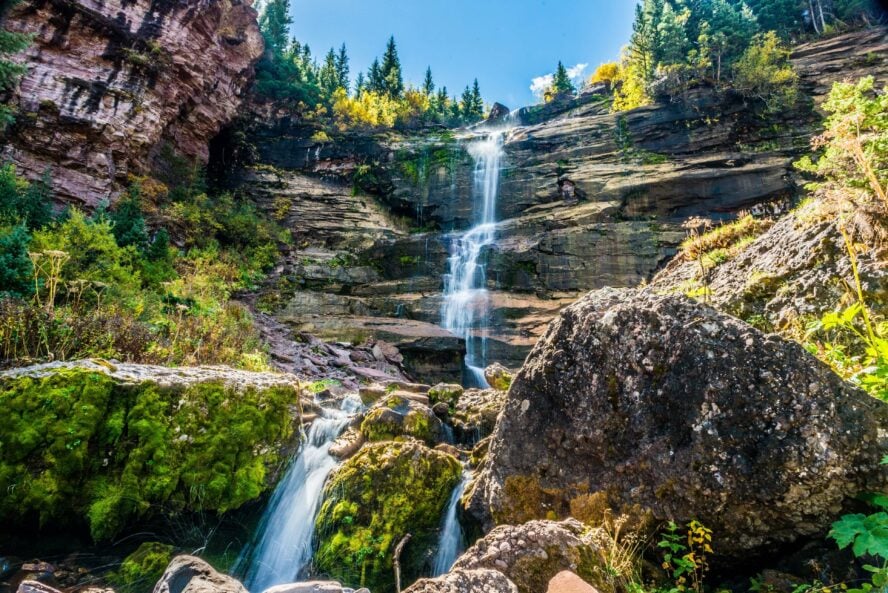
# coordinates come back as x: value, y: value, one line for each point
x: 465, y: 307
x: 282, y: 548
x: 452, y: 540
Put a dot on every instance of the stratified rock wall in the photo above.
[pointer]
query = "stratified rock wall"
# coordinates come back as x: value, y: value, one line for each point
x: 588, y: 198
x: 110, y: 82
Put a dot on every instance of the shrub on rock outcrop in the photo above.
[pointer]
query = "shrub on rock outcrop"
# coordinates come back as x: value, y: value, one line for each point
x: 78, y: 446
x: 665, y: 406
x: 378, y: 496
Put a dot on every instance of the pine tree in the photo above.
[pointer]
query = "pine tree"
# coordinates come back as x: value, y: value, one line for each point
x: 393, y: 80
x: 783, y: 16
x: 672, y: 38
x: 360, y: 83
x: 275, y: 25
x: 477, y: 101
x: 561, y: 84
x: 16, y: 271
x: 328, y: 78
x: 342, y: 68
x: 428, y: 85
x: 467, y: 105
x: 442, y: 100
x: 374, y: 78
x: 128, y: 222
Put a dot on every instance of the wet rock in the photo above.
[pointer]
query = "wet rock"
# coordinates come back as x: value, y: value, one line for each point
x: 370, y: 393
x: 348, y: 443
x: 446, y: 393
x: 567, y: 582
x: 189, y: 574
x: 498, y: 113
x: 498, y: 377
x: 398, y: 414
x: 307, y: 587
x: 533, y: 553
x: 465, y: 581
x: 28, y: 586
x: 664, y: 405
x: 475, y: 414
x: 441, y: 410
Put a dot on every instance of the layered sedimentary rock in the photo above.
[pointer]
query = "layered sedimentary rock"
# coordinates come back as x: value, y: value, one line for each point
x: 659, y: 406
x: 110, y: 84
x: 588, y: 198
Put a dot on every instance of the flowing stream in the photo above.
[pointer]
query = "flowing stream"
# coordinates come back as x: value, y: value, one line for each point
x: 465, y: 309
x: 452, y: 540
x: 282, y: 547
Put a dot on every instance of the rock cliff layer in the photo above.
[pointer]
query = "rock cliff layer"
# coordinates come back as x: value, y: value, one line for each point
x: 111, y: 83
x: 588, y: 199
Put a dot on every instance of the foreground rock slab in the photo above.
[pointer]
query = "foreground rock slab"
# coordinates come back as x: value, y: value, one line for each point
x: 189, y: 574
x: 567, y: 582
x: 661, y: 406
x: 465, y: 581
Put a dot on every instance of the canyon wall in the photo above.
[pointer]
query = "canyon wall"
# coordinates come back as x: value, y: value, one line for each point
x: 111, y: 83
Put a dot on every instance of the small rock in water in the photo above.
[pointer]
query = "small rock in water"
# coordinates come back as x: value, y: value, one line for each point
x: 307, y: 587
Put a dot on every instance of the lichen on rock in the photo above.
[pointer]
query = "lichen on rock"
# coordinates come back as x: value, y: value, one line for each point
x: 374, y: 499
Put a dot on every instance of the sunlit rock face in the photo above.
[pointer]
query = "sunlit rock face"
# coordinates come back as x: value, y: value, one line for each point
x: 110, y: 83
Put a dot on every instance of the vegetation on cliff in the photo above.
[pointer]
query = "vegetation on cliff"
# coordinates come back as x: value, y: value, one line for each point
x: 78, y: 448
x: 676, y: 43
x: 112, y: 284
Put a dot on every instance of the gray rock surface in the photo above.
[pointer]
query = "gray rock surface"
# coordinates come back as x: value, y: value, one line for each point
x: 189, y: 574
x: 663, y: 405
x: 465, y: 581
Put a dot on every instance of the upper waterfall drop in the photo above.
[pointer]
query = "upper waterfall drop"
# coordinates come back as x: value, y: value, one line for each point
x: 466, y: 300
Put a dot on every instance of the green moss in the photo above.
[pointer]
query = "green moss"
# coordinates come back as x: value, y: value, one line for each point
x: 383, y: 493
x: 143, y: 568
x: 76, y: 447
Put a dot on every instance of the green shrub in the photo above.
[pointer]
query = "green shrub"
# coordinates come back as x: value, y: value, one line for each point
x: 16, y: 270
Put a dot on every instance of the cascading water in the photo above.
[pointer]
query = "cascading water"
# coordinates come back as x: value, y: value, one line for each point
x: 452, y: 540
x: 282, y: 547
x: 465, y: 308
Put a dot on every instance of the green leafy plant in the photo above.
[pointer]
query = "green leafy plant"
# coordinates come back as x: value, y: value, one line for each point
x: 685, y: 555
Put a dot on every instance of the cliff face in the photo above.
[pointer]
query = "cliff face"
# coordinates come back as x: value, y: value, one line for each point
x: 111, y: 82
x: 588, y: 199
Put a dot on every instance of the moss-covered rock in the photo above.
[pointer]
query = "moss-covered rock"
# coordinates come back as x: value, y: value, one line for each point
x: 79, y: 447
x: 396, y: 416
x: 377, y: 497
x: 143, y: 568
x: 447, y: 393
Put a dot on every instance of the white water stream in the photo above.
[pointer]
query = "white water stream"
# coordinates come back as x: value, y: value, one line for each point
x: 452, y: 541
x: 283, y: 544
x: 466, y: 301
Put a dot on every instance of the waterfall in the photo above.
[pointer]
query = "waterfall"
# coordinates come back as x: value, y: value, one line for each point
x: 465, y: 307
x: 452, y: 540
x: 282, y: 547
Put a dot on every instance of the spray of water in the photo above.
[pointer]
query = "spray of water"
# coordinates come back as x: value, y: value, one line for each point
x: 466, y: 301
x: 282, y: 548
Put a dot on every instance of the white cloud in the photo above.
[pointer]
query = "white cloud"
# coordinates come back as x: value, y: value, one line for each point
x: 577, y: 71
x: 541, y: 83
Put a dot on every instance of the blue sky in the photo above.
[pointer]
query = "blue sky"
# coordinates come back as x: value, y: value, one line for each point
x: 505, y: 43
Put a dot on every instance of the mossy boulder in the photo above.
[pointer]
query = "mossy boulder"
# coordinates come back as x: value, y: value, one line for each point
x: 143, y: 568
x: 498, y: 376
x: 373, y: 500
x: 447, y: 393
x: 396, y: 416
x: 79, y: 447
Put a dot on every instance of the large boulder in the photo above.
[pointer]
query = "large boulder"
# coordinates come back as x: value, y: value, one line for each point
x: 386, y: 491
x: 189, y: 574
x: 533, y: 553
x: 465, y: 581
x: 662, y: 406
x: 400, y: 414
